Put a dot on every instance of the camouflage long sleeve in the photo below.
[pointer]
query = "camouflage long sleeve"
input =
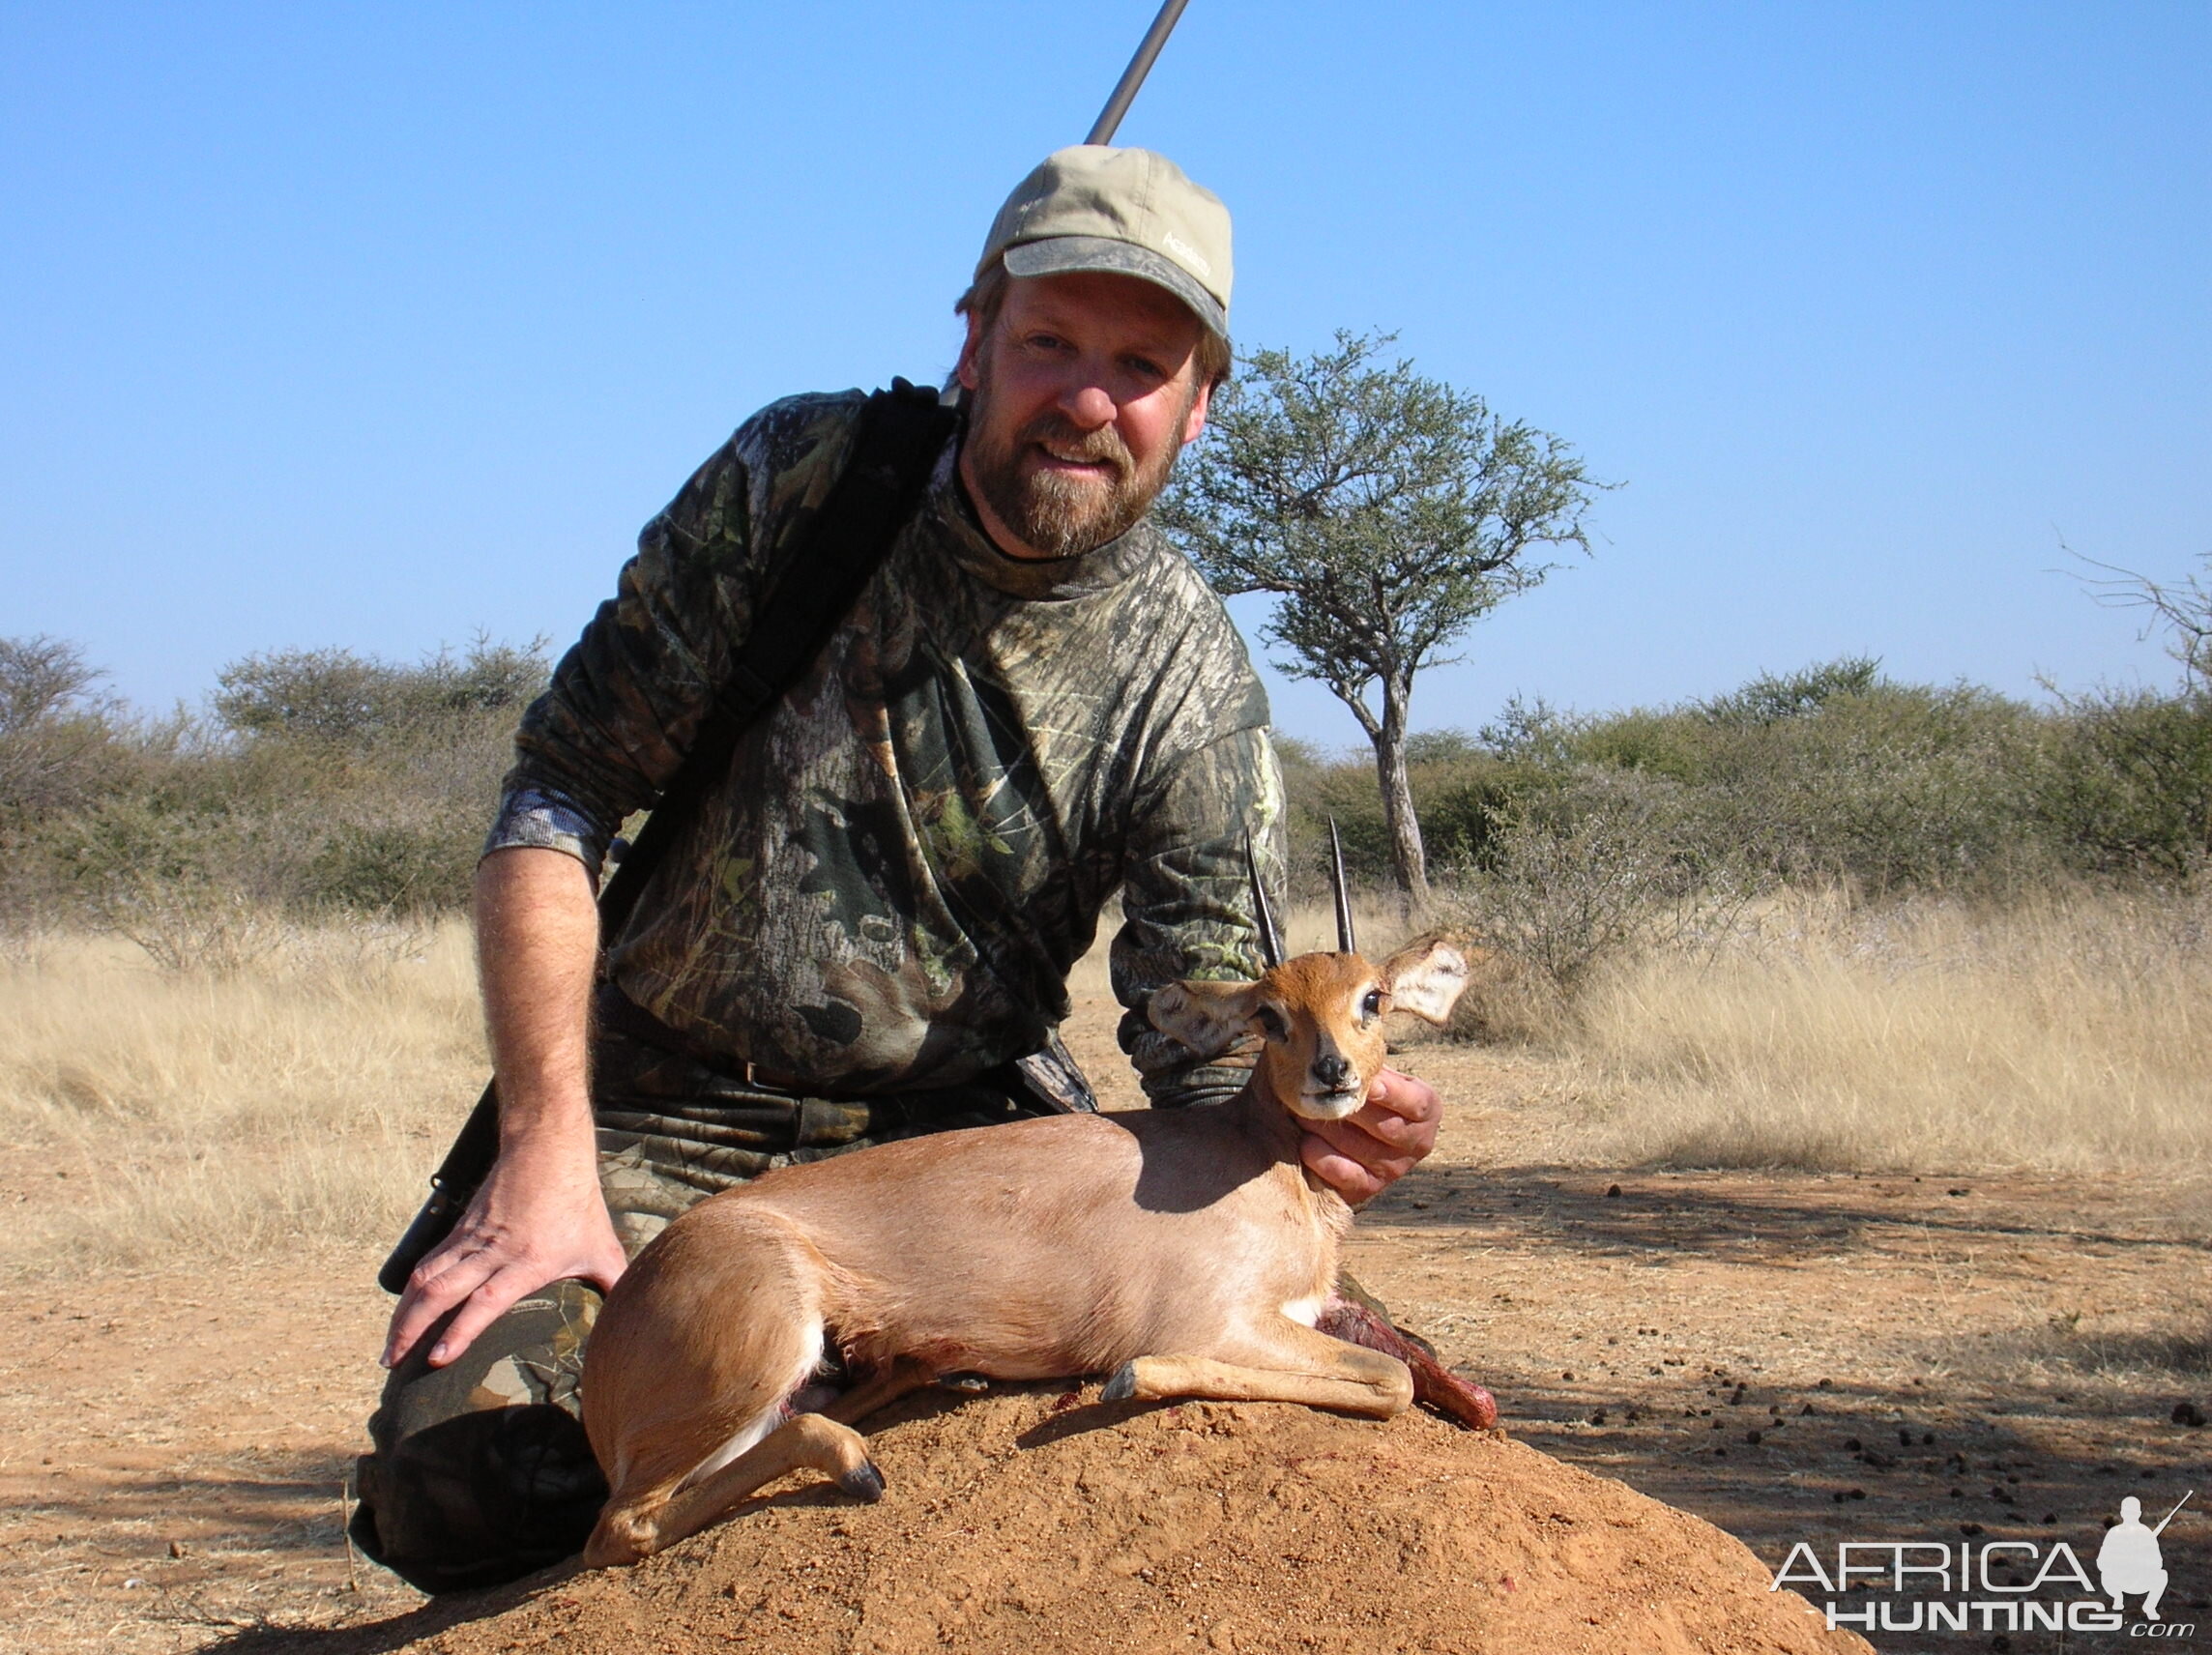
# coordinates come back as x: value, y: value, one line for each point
x: 914, y: 846
x: 1187, y: 906
x: 627, y: 699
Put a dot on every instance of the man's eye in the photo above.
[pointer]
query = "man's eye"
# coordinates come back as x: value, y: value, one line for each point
x: 1145, y: 366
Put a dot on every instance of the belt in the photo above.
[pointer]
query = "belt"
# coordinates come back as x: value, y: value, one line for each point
x: 1008, y: 1084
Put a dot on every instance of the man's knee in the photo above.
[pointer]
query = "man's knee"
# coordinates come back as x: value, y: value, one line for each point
x: 480, y: 1471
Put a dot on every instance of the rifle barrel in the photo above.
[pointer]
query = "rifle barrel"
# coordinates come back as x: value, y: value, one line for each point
x: 2169, y: 1516
x: 1109, y: 119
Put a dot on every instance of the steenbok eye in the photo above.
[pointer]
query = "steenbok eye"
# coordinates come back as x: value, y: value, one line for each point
x: 1274, y: 1024
x: 1371, y: 1007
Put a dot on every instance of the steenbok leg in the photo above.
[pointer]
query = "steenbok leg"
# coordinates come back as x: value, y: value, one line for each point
x: 1290, y: 1363
x: 807, y: 1442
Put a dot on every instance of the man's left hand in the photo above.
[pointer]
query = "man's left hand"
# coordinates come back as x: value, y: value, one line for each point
x: 1380, y: 1143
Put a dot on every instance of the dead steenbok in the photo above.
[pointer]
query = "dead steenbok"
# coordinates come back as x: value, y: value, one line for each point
x: 1186, y: 1252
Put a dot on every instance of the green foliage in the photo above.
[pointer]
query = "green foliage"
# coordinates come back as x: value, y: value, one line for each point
x: 2130, y: 780
x: 194, y: 887
x: 1531, y: 730
x: 336, y: 696
x: 1440, y: 746
x: 1572, y: 836
x: 1389, y: 510
x: 324, y: 780
x: 1458, y: 790
x: 327, y: 781
x: 1883, y: 786
x: 54, y: 729
x: 60, y: 754
x: 2127, y: 784
x: 41, y: 680
x: 1572, y: 874
x: 406, y: 869
x: 1768, y: 699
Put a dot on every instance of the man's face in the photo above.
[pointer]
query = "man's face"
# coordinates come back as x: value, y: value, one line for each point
x: 1083, y: 391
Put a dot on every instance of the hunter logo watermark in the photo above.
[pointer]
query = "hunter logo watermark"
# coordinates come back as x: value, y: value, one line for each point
x: 1993, y: 1586
x: 2130, y: 1560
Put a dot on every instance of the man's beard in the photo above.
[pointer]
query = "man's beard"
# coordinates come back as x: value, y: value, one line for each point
x: 1058, y: 515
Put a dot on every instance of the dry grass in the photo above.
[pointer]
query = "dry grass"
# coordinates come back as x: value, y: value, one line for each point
x: 297, y: 1101
x: 304, y: 1098
x: 2072, y: 1033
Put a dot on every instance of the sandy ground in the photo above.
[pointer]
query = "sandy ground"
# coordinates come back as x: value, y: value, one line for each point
x: 1789, y: 1356
x: 1039, y: 1518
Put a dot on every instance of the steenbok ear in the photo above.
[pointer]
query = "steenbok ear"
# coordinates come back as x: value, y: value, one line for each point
x: 1426, y: 980
x: 1208, y: 1017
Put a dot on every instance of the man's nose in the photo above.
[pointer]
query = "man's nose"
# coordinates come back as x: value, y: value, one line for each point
x: 1089, y: 406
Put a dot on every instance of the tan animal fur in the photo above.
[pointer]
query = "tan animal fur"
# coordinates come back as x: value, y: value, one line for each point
x: 1186, y: 1252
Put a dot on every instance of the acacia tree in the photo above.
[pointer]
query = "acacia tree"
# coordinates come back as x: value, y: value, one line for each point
x: 54, y: 728
x: 1386, y: 512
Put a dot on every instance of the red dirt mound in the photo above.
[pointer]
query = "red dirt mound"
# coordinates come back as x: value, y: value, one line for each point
x: 1023, y: 1522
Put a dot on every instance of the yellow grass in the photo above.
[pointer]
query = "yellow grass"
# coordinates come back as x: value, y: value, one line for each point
x: 2071, y: 1034
x: 304, y: 1099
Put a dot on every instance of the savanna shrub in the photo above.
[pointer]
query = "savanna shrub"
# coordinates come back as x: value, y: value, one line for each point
x: 321, y: 781
x: 2126, y: 787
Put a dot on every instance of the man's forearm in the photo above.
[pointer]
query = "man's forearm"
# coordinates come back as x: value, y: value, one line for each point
x: 537, y: 942
x: 540, y: 1216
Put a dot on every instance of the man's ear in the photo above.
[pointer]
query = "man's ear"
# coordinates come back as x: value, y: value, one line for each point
x: 1208, y: 1017
x: 1426, y: 980
x: 1194, y: 422
x: 970, y: 348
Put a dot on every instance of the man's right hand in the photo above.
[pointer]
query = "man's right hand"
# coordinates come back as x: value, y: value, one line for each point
x: 539, y: 1218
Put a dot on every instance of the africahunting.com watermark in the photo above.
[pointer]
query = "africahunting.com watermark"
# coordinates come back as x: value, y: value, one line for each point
x: 1995, y: 1585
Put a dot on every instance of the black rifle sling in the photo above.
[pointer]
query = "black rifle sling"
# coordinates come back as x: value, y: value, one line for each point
x: 900, y: 433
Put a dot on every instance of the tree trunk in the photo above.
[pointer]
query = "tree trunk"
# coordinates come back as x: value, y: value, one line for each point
x: 1407, y: 862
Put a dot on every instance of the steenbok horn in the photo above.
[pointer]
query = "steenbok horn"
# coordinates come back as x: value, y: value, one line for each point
x: 1344, y: 942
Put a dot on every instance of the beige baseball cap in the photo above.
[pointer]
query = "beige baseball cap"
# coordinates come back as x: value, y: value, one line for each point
x: 1129, y: 212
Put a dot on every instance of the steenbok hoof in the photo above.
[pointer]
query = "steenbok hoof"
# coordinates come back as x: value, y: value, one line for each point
x: 864, y: 1482
x: 1122, y: 1386
x: 966, y: 1384
x: 620, y: 1544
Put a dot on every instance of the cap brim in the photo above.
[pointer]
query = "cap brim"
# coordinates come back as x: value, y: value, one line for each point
x: 1062, y: 255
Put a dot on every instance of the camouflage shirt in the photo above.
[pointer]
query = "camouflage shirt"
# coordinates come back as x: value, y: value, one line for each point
x: 914, y: 846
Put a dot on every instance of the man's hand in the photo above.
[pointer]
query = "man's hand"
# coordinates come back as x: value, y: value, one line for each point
x: 1380, y: 1143
x: 539, y: 1218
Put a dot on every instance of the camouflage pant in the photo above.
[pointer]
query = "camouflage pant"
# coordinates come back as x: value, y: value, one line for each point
x: 480, y: 1471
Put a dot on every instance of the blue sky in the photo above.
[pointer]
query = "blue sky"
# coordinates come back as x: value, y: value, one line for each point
x: 376, y: 324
